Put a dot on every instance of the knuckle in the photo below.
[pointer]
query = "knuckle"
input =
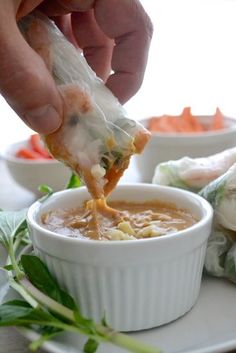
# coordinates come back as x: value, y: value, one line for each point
x: 149, y: 26
x: 143, y: 20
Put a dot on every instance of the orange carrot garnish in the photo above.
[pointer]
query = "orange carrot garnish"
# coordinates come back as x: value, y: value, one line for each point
x: 218, y: 121
x: 28, y: 154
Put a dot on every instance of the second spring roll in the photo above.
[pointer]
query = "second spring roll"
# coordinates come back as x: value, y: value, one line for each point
x: 194, y: 173
x: 217, y: 247
x: 220, y: 260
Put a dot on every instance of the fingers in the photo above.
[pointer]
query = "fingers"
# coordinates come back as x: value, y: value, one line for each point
x: 26, y: 6
x: 77, y: 5
x: 64, y: 24
x: 25, y: 81
x: 131, y: 28
x: 126, y: 22
x: 62, y: 7
x: 97, y: 47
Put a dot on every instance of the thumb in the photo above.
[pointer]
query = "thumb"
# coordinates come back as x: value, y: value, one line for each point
x: 25, y: 81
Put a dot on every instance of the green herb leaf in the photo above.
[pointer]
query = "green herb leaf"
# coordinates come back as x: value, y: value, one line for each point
x: 11, y: 311
x: 41, y: 278
x: 45, y: 189
x: 230, y: 264
x: 74, y: 182
x: 104, y: 321
x: 215, y: 191
x: 170, y: 172
x: 18, y: 312
x: 8, y: 268
x: 11, y: 223
x: 118, y: 155
x: 90, y: 346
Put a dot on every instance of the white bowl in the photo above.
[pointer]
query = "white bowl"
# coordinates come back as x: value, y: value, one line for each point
x: 137, y: 284
x: 163, y: 147
x: 29, y: 174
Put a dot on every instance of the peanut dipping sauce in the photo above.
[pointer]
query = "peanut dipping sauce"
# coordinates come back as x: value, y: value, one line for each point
x: 118, y: 220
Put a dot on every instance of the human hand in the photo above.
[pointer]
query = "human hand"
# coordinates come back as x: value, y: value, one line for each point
x: 113, y: 34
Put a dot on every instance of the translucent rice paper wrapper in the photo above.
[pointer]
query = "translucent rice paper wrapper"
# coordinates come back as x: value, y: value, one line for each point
x: 221, y: 193
x: 221, y: 248
x: 96, y: 138
x: 194, y: 173
x: 220, y: 260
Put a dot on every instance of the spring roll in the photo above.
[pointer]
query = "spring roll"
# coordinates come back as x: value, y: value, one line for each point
x: 220, y: 260
x: 194, y: 173
x: 96, y: 138
x: 221, y: 193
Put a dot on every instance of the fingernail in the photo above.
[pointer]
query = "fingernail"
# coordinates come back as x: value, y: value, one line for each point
x: 44, y: 119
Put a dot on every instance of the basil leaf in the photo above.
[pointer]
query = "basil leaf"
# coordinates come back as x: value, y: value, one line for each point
x: 45, y: 189
x: 11, y: 311
x: 11, y: 223
x: 41, y: 278
x: 74, y: 182
x: 90, y: 346
x: 9, y: 268
x: 20, y: 313
x: 104, y: 321
x: 215, y: 191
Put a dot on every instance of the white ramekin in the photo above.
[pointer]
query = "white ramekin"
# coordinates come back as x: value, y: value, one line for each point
x: 136, y: 284
x: 30, y: 173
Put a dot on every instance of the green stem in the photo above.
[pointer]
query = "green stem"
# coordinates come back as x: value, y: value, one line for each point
x: 14, y: 263
x: 107, y: 334
x: 23, y: 293
x: 16, y: 244
x: 125, y: 341
x: 18, y: 272
x: 45, y: 300
x: 40, y: 341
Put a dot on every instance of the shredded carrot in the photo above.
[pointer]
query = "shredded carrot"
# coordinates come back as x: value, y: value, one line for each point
x: 218, y: 120
x: 184, y: 123
x: 165, y: 124
x: 28, y: 154
x: 34, y: 150
x: 36, y: 145
x: 192, y: 120
x: 153, y: 124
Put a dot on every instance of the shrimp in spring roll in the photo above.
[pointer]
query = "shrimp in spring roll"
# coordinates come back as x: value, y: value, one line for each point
x: 96, y: 138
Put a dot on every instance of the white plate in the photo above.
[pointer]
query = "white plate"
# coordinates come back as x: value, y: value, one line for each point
x: 208, y: 328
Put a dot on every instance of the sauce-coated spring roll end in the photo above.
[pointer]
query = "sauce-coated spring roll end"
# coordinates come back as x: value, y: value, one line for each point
x: 141, y: 139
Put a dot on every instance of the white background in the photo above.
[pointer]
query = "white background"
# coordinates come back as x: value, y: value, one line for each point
x: 192, y: 62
